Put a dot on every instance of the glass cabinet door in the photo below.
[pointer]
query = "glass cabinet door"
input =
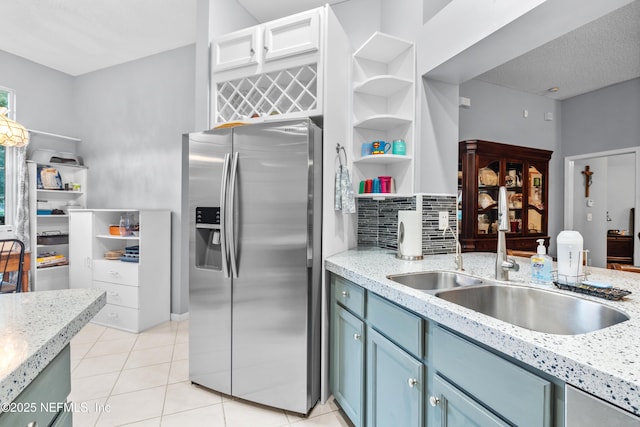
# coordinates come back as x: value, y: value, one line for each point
x: 513, y: 181
x: 536, y: 196
x: 488, y: 185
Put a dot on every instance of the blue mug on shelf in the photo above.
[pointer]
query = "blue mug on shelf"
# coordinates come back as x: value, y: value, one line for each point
x: 380, y: 147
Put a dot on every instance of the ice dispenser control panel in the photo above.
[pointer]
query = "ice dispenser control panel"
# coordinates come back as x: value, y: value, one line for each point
x: 208, y: 244
x: 207, y: 216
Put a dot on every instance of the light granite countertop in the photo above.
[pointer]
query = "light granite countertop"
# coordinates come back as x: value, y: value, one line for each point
x: 35, y: 327
x: 605, y: 363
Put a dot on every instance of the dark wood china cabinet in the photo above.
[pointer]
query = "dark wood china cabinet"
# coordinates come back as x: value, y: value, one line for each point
x: 484, y: 166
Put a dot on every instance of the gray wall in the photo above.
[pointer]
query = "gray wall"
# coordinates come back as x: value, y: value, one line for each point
x: 45, y: 98
x: 602, y: 120
x: 213, y: 18
x: 594, y: 228
x: 496, y: 114
x: 131, y: 118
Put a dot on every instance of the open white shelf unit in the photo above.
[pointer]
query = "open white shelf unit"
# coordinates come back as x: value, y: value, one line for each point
x: 384, y: 109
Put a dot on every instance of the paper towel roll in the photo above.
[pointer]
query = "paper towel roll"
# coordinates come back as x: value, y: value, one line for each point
x: 409, y: 235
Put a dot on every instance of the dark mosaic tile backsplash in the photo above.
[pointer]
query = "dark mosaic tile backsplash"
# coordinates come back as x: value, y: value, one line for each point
x: 378, y: 222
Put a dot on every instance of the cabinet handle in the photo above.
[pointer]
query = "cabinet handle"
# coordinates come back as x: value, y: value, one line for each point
x: 434, y: 401
x: 266, y: 48
x: 357, y: 337
x: 113, y: 315
x: 345, y: 294
x: 32, y: 424
x: 114, y: 273
x: 113, y: 294
x: 252, y: 51
x: 412, y: 382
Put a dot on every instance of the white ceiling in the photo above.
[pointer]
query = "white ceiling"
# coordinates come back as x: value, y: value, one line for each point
x: 79, y: 36
x: 599, y: 54
x: 269, y: 10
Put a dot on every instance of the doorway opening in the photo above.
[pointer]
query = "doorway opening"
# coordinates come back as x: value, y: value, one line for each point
x: 608, y: 215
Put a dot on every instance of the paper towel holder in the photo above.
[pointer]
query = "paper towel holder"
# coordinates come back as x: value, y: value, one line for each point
x: 401, y: 241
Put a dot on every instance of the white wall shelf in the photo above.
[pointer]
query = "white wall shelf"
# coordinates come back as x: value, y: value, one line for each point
x: 383, y: 159
x: 382, y: 48
x: 112, y: 236
x: 385, y: 85
x: 384, y: 97
x: 54, y: 135
x: 382, y: 122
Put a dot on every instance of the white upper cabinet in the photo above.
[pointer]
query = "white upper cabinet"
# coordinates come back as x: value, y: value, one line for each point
x: 238, y: 49
x: 272, y: 69
x: 292, y: 35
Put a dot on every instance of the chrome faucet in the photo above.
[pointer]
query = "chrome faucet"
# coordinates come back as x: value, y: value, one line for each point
x: 458, y: 258
x: 503, y: 263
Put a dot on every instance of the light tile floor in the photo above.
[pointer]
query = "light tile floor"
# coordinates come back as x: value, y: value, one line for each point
x: 124, y: 379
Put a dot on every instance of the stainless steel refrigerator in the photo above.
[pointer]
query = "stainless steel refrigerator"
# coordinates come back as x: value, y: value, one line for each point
x: 255, y: 197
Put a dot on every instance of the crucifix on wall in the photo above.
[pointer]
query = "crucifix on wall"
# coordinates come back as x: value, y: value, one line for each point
x: 588, y: 176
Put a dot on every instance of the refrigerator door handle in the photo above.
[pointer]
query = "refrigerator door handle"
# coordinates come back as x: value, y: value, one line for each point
x: 310, y: 202
x: 223, y: 217
x: 231, y: 211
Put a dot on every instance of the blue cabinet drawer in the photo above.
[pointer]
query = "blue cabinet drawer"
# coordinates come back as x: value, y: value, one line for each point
x: 400, y: 326
x: 519, y: 396
x: 42, y: 400
x: 349, y: 295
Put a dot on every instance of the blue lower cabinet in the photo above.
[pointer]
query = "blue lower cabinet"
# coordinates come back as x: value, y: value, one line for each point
x: 347, y: 363
x: 519, y: 396
x: 395, y: 385
x: 450, y: 407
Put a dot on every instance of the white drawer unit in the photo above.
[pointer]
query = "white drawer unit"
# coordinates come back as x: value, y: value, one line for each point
x: 138, y: 293
x: 124, y: 273
x: 119, y: 317
x: 126, y: 296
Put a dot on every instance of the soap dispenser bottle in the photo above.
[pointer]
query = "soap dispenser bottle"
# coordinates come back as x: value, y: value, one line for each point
x: 541, y: 265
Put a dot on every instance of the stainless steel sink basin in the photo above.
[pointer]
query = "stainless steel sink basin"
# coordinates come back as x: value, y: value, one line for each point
x: 536, y: 309
x: 434, y: 280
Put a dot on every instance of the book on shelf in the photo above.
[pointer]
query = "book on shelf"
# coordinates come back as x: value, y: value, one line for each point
x: 50, y: 259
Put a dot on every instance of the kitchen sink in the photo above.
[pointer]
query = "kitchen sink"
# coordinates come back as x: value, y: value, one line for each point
x: 536, y: 309
x: 434, y: 280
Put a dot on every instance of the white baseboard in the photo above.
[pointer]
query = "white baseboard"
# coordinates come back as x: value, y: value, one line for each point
x: 178, y: 317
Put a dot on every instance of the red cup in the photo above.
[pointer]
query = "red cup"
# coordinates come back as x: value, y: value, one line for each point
x: 368, y: 186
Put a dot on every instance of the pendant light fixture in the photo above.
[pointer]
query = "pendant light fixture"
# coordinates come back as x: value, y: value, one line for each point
x: 12, y: 134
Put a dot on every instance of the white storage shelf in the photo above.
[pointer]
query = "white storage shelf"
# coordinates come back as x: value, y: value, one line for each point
x: 52, y: 277
x: 138, y: 293
x: 384, y: 109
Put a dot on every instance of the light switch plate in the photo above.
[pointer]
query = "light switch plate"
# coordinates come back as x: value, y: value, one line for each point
x: 443, y: 220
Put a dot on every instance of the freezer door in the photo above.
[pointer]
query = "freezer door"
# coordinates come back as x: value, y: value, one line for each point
x: 270, y: 294
x: 209, y: 284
